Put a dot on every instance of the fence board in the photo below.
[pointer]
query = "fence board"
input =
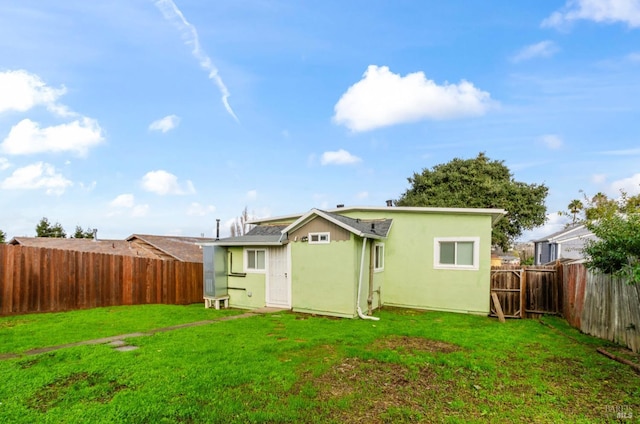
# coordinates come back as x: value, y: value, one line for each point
x: 46, y: 280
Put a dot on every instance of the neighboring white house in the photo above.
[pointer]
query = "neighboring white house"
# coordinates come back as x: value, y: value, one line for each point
x: 565, y: 244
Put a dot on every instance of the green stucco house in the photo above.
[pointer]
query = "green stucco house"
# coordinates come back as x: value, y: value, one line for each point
x: 349, y: 261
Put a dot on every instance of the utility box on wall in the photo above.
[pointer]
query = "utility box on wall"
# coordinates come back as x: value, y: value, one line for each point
x: 215, y: 271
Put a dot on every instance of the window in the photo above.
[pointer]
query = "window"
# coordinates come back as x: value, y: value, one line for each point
x: 456, y: 252
x: 319, y: 238
x: 378, y: 257
x: 255, y: 260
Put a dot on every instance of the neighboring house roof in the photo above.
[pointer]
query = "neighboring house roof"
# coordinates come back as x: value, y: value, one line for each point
x: 570, y: 233
x: 112, y: 247
x: 180, y: 248
x: 496, y: 214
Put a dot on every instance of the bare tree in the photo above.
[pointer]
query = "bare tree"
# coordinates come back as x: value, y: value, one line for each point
x: 240, y: 226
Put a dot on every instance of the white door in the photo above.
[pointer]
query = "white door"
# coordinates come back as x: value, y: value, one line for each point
x: 278, y: 278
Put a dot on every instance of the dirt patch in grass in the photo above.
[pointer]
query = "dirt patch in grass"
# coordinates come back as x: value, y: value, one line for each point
x: 420, y: 344
x: 83, y: 385
x: 357, y: 390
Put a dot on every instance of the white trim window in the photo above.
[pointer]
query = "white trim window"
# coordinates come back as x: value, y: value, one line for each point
x: 378, y: 257
x: 456, y: 253
x: 255, y: 260
x: 319, y: 238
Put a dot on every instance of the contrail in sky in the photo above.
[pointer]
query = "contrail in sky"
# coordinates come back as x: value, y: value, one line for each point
x: 173, y: 14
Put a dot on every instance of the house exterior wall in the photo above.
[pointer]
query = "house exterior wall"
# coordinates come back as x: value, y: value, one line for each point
x: 410, y: 278
x: 324, y: 275
x: 248, y: 292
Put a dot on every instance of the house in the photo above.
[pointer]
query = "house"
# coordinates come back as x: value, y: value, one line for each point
x: 565, y: 244
x: 178, y: 248
x: 350, y: 260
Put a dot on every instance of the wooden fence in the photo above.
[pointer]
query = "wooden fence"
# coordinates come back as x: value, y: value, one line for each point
x: 597, y: 304
x: 603, y: 306
x: 48, y: 280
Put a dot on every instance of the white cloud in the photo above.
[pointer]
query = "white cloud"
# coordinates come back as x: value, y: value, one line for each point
x: 554, y: 222
x: 633, y: 57
x: 552, y: 141
x: 542, y: 49
x: 123, y: 201
x: 196, y: 209
x: 630, y: 185
x: 165, y: 124
x: 607, y: 11
x: 26, y: 137
x: 598, y: 178
x: 126, y: 203
x: 4, y: 164
x: 382, y: 98
x: 362, y: 195
x: 140, y: 210
x: 162, y: 182
x: 189, y: 33
x: 36, y: 176
x: 252, y: 194
x: 339, y: 157
x: 22, y: 91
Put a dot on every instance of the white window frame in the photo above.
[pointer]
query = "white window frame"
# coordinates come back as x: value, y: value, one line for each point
x: 246, y: 260
x: 476, y: 253
x: 326, y: 235
x: 380, y: 266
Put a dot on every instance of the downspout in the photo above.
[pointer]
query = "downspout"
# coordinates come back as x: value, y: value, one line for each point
x: 360, y: 314
x: 371, y: 263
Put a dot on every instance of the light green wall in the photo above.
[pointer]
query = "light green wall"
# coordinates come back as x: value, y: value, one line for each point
x: 324, y: 277
x: 410, y: 279
x: 254, y: 296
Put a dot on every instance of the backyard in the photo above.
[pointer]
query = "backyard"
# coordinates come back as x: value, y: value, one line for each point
x: 411, y: 366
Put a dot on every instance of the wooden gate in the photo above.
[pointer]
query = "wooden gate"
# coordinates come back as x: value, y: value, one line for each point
x: 507, y: 290
x: 525, y: 292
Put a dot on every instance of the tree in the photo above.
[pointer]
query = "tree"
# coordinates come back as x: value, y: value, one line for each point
x: 45, y: 229
x: 3, y: 236
x: 575, y: 207
x: 480, y: 183
x: 240, y: 227
x: 616, y: 225
x: 81, y: 233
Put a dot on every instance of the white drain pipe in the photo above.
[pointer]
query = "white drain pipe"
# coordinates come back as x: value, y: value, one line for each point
x: 360, y: 314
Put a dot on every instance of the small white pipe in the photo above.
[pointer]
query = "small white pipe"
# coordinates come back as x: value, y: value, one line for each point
x: 360, y: 314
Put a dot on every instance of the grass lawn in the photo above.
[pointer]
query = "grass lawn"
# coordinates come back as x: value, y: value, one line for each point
x: 410, y: 366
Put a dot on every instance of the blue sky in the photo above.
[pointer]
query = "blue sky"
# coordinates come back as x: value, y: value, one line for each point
x: 158, y: 117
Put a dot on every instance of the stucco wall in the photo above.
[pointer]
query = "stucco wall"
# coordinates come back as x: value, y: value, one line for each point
x: 410, y: 279
x: 253, y: 296
x: 324, y: 277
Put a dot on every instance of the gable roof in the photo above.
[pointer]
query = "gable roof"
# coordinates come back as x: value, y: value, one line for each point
x: 570, y: 233
x: 374, y: 229
x: 186, y: 249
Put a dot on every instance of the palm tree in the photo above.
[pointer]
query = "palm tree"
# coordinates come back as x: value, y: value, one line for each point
x: 575, y: 206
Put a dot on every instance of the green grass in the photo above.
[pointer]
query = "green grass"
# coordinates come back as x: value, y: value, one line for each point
x: 23, y: 332
x: 410, y: 366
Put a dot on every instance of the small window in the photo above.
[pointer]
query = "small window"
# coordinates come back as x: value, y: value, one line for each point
x: 378, y: 257
x: 255, y: 260
x: 319, y: 238
x: 456, y: 252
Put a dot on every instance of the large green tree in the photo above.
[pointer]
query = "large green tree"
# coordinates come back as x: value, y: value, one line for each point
x: 480, y: 183
x: 3, y: 236
x: 616, y: 225
x: 46, y: 229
